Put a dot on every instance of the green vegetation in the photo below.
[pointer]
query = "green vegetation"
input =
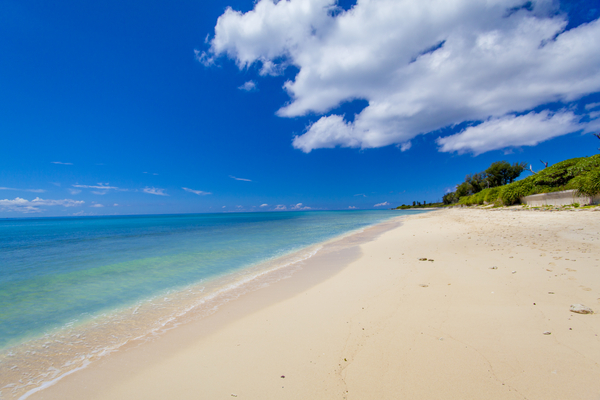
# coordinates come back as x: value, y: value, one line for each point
x: 581, y: 174
x: 483, y: 185
x: 417, y: 204
x: 497, y: 185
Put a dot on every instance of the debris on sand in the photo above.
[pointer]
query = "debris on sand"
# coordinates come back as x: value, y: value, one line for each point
x: 580, y: 309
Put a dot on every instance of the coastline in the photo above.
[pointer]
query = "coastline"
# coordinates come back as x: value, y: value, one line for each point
x: 379, y: 323
x: 76, y: 347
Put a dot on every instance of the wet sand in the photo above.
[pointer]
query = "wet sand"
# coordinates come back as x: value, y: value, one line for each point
x: 369, y: 320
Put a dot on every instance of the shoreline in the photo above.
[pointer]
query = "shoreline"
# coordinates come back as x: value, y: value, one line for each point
x: 143, y: 322
x: 382, y: 324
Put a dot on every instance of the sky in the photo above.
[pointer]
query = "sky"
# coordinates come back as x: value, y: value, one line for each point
x: 119, y: 108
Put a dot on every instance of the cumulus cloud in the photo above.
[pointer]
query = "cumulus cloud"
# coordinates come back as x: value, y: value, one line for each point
x: 198, y: 192
x: 352, y: 207
x: 498, y: 133
x: 153, y: 190
x: 24, y: 190
x: 97, y: 205
x: 248, y: 86
x: 280, y: 207
x: 240, y: 179
x: 74, y: 191
x: 385, y: 203
x: 27, y: 206
x: 60, y: 163
x: 420, y: 65
x: 264, y: 205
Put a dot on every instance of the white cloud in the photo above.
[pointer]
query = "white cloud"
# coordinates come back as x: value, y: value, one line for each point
x: 352, y: 207
x: 74, y: 191
x: 24, y: 190
x: 239, y: 179
x: 300, y: 206
x: 26, y: 206
x: 421, y: 65
x: 498, y: 133
x: 385, y: 203
x: 264, y: 205
x: 101, y: 193
x: 198, y: 192
x: 60, y: 163
x: 97, y: 205
x: 361, y: 194
x: 153, y: 190
x: 592, y: 106
x: 280, y: 207
x: 203, y: 58
x: 115, y: 205
x: 405, y: 146
x: 248, y: 86
x: 101, y: 186
x: 223, y: 206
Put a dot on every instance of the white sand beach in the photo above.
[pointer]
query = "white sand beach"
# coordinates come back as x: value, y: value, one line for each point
x: 486, y: 317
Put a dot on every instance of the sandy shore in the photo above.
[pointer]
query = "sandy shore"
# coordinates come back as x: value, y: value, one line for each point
x: 388, y: 326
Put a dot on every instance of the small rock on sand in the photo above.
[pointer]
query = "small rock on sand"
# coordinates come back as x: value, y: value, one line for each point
x: 547, y: 333
x: 423, y: 259
x: 494, y: 267
x: 580, y: 309
x: 423, y: 285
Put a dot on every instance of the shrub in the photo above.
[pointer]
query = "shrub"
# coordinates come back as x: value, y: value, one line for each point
x: 511, y: 193
x: 491, y: 195
x: 588, y: 184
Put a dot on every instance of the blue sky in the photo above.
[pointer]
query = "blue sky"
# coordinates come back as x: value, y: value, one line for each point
x: 127, y: 108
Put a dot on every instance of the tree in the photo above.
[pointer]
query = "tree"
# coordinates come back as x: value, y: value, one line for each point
x: 502, y: 173
x: 449, y: 198
x: 478, y: 182
x: 464, y: 189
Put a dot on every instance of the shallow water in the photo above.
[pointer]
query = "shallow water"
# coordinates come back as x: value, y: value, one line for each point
x: 74, y: 289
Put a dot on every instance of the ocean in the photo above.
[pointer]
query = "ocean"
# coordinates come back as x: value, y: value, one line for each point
x: 74, y: 289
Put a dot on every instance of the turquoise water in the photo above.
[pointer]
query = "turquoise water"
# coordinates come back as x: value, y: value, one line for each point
x: 56, y: 270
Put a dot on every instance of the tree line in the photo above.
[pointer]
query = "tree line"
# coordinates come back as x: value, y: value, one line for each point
x: 498, y: 174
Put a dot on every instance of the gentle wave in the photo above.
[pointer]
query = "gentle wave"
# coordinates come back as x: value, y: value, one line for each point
x: 38, y: 363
